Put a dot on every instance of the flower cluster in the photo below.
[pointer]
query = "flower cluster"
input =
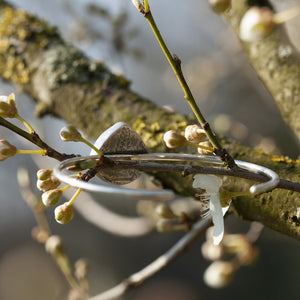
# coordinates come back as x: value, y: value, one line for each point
x: 193, y: 136
x: 235, y: 251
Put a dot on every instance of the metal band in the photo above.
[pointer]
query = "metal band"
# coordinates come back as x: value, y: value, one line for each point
x: 60, y: 173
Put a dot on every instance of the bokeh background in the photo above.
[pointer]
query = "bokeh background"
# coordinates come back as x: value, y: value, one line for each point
x: 230, y: 95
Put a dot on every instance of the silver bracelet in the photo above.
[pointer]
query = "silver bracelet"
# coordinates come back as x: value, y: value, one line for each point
x: 121, y: 143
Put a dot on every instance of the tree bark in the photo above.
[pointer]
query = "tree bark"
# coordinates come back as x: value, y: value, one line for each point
x: 67, y: 84
x: 276, y: 61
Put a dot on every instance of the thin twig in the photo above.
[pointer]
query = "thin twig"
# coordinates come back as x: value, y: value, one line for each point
x: 36, y: 140
x: 175, y: 64
x: 157, y: 265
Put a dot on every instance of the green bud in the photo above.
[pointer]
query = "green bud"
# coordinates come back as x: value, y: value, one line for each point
x: 70, y: 134
x: 8, y: 107
x: 51, y: 197
x: 88, y: 164
x: 164, y: 225
x: 6, y: 150
x: 49, y: 184
x: 174, y: 139
x: 164, y: 211
x: 44, y: 174
x: 219, y: 6
x: 64, y: 213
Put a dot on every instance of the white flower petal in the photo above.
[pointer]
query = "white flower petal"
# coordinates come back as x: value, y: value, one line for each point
x: 225, y: 209
x: 217, y: 218
x: 208, y: 182
x: 4, y: 98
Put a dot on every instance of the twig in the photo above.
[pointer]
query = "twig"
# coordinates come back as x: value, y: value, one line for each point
x: 38, y: 210
x: 175, y: 63
x: 36, y: 140
x: 33, y: 202
x: 157, y: 265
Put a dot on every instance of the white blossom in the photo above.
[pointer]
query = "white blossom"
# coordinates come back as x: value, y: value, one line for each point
x: 211, y: 184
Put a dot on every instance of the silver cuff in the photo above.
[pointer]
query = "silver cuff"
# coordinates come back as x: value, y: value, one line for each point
x: 60, y: 173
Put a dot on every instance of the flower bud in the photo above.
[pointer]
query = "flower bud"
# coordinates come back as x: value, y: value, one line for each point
x: 81, y: 269
x: 248, y: 256
x: 164, y: 225
x: 49, y: 184
x: 64, y: 213
x: 54, y: 245
x: 7, y: 106
x: 44, y: 174
x: 219, y: 274
x: 174, y: 139
x: 70, y: 133
x: 6, y: 150
x: 220, y: 6
x: 51, y: 197
x: 138, y: 5
x: 40, y: 235
x: 203, y: 151
x: 164, y: 211
x: 194, y: 134
x: 256, y: 24
x: 212, y: 252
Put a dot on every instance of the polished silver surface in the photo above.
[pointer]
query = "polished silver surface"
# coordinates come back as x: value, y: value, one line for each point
x: 60, y: 170
x: 122, y: 143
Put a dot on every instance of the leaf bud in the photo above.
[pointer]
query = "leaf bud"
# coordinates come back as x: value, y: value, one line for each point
x: 64, y: 213
x: 194, y: 134
x: 219, y: 6
x: 49, y: 184
x: 51, y: 197
x: 174, y: 139
x: 256, y: 24
x: 6, y: 150
x: 44, y: 174
x: 219, y: 274
x: 7, y: 106
x: 70, y: 134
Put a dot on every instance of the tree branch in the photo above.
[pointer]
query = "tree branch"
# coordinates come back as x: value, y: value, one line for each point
x: 85, y: 93
x: 277, y: 63
x: 158, y: 264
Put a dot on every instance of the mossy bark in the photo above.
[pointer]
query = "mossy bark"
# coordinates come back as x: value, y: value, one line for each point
x: 65, y: 83
x: 276, y: 61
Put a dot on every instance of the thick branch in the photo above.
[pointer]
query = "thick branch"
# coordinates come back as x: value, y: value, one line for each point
x: 277, y: 63
x: 67, y: 84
